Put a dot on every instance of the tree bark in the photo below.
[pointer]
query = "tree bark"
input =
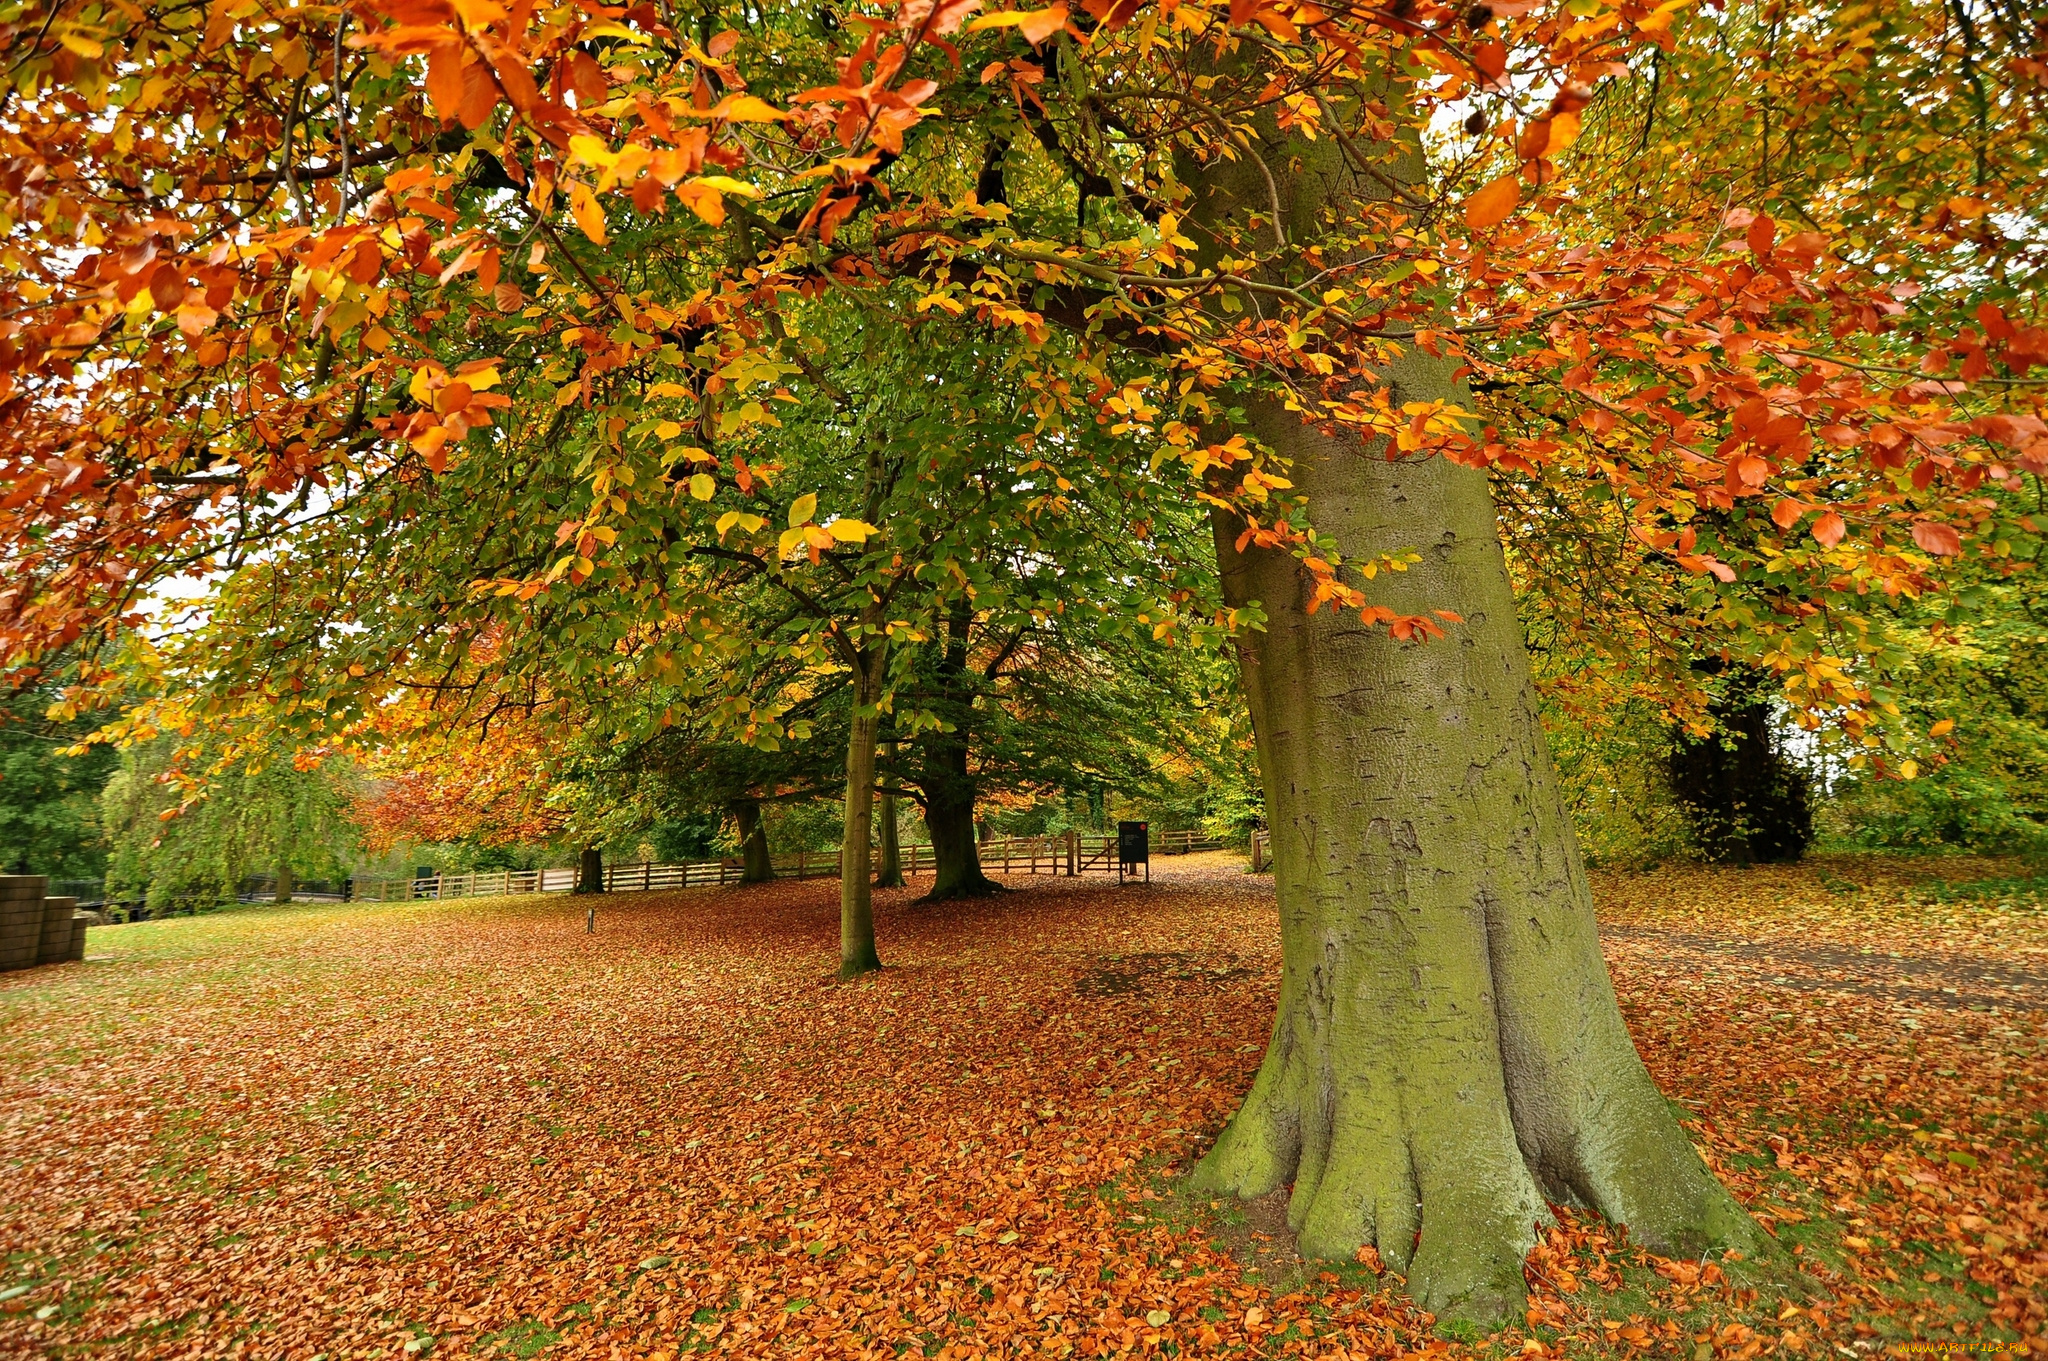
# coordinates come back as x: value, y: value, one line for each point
x: 856, y: 904
x: 890, y: 873
x: 1448, y: 1054
x: 956, y: 861
x: 283, y: 893
x: 949, y: 785
x: 590, y: 871
x: 757, y: 865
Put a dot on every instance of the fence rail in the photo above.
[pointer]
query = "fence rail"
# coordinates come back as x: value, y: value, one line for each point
x: 1071, y: 855
x: 1185, y: 843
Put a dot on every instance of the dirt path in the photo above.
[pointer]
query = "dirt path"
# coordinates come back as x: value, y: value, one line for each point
x: 1918, y: 977
x: 1926, y: 979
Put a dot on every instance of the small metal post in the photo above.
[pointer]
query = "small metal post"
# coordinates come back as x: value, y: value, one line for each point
x: 590, y: 922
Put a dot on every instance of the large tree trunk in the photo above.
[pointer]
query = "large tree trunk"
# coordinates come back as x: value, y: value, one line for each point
x: 283, y: 893
x: 856, y: 905
x: 757, y: 865
x: 890, y: 873
x: 590, y: 871
x: 956, y: 860
x: 949, y: 785
x: 1448, y: 1054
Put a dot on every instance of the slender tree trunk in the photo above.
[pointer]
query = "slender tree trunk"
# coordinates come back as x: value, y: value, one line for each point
x: 1448, y: 1054
x: 890, y: 873
x: 284, y: 884
x: 856, y: 905
x: 757, y: 865
x: 590, y: 871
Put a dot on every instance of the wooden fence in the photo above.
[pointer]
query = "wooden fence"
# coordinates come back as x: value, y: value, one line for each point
x: 1072, y: 854
x: 479, y: 884
x: 1184, y: 843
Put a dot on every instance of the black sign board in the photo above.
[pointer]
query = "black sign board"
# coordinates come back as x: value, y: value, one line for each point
x: 1134, y: 848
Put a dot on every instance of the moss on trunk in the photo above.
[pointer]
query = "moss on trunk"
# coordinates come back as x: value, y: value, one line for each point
x: 1448, y: 1054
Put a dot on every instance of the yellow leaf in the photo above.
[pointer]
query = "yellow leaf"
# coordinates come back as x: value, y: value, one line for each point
x: 605, y: 28
x: 791, y: 544
x: 747, y: 109
x: 1943, y: 728
x: 1909, y: 769
x: 587, y: 150
x: 478, y: 14
x: 1493, y: 203
x: 701, y: 487
x: 1660, y: 18
x: 851, y: 531
x: 726, y: 184
x: 1037, y: 24
x: 590, y: 217
x: 801, y: 509
x: 290, y: 56
x: 81, y: 45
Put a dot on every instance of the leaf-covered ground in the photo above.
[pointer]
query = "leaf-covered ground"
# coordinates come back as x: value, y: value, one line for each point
x: 473, y: 1129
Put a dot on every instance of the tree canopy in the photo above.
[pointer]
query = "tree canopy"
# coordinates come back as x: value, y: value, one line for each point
x: 722, y: 370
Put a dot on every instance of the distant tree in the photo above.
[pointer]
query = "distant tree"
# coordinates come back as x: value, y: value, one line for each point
x: 1747, y: 800
x: 49, y: 800
x: 176, y: 840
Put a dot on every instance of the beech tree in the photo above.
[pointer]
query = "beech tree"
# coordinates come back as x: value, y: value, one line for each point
x: 1031, y: 706
x: 1243, y: 235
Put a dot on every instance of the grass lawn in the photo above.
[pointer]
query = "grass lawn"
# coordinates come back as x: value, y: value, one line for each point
x: 473, y: 1129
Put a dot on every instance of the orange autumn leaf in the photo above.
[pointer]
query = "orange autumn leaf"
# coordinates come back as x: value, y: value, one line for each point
x: 1938, y: 539
x: 1492, y: 204
x: 510, y: 1141
x: 589, y: 216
